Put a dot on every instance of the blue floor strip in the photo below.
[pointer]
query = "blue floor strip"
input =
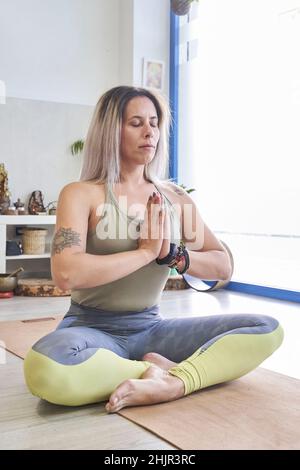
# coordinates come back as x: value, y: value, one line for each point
x: 264, y: 291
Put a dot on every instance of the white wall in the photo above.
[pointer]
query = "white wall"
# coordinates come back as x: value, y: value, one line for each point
x: 144, y: 33
x: 56, y: 58
x: 35, y: 137
x: 151, y: 37
x: 126, y: 42
x: 59, y: 50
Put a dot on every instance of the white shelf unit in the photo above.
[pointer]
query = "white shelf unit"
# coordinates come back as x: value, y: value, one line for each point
x: 8, y: 221
x: 45, y: 255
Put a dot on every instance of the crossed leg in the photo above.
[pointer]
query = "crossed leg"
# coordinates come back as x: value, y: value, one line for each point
x: 79, y: 365
x: 233, y: 346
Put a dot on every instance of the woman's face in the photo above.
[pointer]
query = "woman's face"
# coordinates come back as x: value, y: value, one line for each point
x: 140, y: 132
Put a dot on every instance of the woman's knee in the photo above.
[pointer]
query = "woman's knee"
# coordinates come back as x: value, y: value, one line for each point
x: 90, y: 381
x: 43, y: 376
x: 68, y: 385
x: 48, y: 367
x: 274, y: 332
x: 65, y: 346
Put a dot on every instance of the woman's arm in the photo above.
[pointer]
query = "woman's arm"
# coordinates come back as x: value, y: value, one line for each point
x: 209, y: 260
x: 209, y: 265
x: 71, y: 266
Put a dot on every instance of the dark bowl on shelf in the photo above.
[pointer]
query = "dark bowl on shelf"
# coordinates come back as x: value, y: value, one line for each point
x: 8, y: 284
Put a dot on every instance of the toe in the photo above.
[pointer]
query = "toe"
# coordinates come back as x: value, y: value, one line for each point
x: 119, y: 396
x: 110, y: 408
x: 148, y: 356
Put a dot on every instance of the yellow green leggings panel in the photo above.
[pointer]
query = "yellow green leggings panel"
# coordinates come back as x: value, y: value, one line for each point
x: 231, y: 357
x: 87, y: 357
x: 88, y: 382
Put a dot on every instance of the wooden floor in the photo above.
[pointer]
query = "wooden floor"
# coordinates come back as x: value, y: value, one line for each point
x: 29, y: 423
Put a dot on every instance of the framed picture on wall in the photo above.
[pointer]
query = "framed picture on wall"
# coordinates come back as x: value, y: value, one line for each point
x: 153, y: 74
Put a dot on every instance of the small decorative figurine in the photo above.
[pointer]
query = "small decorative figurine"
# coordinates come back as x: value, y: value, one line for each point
x: 19, y: 204
x: 4, y: 191
x: 20, y: 207
x: 36, y: 203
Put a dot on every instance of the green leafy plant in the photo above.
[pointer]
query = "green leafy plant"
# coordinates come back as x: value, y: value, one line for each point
x: 77, y: 147
x: 187, y: 190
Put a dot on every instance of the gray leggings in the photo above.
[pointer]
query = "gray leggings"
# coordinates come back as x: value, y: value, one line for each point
x: 131, y: 335
x: 93, y: 351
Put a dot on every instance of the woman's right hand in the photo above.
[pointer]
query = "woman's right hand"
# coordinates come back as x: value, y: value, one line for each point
x: 151, y: 233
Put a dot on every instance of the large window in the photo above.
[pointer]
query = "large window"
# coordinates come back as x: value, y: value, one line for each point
x: 239, y: 130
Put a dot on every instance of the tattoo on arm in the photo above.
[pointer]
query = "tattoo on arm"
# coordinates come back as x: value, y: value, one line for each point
x: 65, y: 238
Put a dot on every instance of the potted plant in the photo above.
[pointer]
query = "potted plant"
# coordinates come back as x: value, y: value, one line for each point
x: 181, y: 7
x: 77, y: 147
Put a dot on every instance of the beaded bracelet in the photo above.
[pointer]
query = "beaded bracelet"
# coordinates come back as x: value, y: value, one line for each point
x: 182, y: 254
x: 175, y: 256
x: 170, y: 256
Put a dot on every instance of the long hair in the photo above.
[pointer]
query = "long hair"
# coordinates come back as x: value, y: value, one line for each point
x: 101, y: 152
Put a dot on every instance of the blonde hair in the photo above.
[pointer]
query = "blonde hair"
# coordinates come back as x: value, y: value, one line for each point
x: 101, y: 150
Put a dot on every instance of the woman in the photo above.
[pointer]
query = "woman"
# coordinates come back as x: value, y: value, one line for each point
x: 116, y: 261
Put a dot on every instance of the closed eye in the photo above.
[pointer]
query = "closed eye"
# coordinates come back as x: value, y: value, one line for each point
x: 137, y: 124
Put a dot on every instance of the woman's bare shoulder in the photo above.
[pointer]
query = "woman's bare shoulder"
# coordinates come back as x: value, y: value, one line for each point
x: 173, y: 191
x: 84, y: 188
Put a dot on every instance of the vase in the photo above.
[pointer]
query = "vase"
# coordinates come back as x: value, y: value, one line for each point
x: 181, y: 7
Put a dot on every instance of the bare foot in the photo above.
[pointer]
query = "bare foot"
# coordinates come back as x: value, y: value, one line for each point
x: 159, y: 360
x: 155, y: 386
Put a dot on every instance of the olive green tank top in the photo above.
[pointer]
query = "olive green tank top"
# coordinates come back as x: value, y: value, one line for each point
x: 117, y: 231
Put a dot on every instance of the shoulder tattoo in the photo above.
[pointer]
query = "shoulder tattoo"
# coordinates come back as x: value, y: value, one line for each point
x: 178, y: 191
x: 64, y: 238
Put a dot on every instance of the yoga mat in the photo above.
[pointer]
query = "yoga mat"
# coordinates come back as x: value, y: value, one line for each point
x: 19, y: 335
x: 258, y: 411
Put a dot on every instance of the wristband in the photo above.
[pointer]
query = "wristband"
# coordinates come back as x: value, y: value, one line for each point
x: 186, y: 258
x: 170, y: 256
x: 182, y: 254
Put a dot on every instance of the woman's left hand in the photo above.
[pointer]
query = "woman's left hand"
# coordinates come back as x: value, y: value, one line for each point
x: 165, y: 248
